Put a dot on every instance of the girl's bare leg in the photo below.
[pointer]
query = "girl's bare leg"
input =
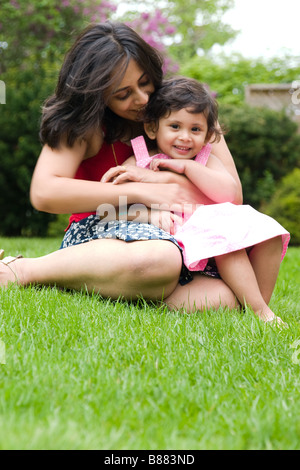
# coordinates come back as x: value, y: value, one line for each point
x: 253, y: 284
x: 111, y: 267
x: 265, y: 259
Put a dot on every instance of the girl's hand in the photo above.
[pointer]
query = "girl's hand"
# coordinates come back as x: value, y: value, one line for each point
x: 165, y: 220
x: 178, y: 166
x: 125, y: 174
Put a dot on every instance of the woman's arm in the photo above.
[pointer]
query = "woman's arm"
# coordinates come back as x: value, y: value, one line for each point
x: 54, y: 189
x: 221, y: 151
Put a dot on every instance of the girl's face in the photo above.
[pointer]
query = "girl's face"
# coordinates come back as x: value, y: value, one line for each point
x: 130, y: 97
x: 182, y: 134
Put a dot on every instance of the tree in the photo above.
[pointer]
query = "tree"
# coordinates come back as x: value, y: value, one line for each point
x: 29, y: 61
x: 198, y: 24
x: 228, y: 76
x: 285, y: 205
x: 154, y: 28
x: 265, y: 147
x: 40, y: 28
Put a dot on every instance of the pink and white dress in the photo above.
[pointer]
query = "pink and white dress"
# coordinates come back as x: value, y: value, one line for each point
x: 216, y: 229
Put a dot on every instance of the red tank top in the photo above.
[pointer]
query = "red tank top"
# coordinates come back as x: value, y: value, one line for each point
x: 92, y: 169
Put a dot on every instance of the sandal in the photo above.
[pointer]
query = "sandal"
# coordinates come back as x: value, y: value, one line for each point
x: 7, y: 260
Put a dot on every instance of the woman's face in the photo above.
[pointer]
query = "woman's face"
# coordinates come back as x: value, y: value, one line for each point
x: 130, y: 96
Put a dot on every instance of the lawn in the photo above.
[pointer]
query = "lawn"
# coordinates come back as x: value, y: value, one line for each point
x: 83, y: 372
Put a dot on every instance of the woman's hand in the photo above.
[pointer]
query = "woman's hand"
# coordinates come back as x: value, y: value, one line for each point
x: 124, y: 174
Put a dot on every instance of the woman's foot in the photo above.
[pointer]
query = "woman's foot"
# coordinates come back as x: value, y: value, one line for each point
x: 8, y: 273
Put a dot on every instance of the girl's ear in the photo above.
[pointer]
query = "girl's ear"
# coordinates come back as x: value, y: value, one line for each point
x: 150, y: 129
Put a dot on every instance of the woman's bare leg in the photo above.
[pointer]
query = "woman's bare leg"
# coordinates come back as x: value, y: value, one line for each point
x: 111, y: 267
x: 202, y: 293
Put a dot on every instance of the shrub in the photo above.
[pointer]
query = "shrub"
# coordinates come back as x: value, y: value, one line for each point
x: 26, y: 90
x: 265, y: 147
x: 285, y: 205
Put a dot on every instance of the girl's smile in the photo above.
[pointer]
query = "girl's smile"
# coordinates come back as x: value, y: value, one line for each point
x: 182, y: 134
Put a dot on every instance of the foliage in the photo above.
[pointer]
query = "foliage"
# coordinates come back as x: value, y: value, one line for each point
x: 228, y: 76
x: 153, y: 27
x: 265, y: 146
x: 285, y: 205
x: 20, y: 147
x: 29, y: 66
x: 43, y: 27
x: 198, y: 25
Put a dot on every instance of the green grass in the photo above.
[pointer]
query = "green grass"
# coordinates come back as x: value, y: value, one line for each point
x: 86, y: 373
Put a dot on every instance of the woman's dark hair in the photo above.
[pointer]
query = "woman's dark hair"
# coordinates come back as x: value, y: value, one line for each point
x: 178, y: 93
x: 98, y: 59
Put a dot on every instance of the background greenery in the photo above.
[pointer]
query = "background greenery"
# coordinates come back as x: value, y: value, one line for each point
x: 82, y: 372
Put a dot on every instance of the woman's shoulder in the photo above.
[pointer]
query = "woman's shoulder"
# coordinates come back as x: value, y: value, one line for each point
x: 94, y: 142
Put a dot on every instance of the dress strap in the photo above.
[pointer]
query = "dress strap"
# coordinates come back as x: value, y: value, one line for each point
x: 140, y: 151
x: 203, y: 155
x: 143, y: 158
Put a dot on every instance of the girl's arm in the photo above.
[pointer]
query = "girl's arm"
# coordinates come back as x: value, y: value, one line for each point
x: 213, y: 180
x: 129, y: 171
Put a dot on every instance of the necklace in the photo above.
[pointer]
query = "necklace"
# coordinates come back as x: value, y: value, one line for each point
x: 114, y: 154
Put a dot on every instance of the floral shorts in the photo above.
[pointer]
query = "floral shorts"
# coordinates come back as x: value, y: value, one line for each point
x: 91, y: 228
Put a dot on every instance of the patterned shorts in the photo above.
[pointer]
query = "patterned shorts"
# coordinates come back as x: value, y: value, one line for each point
x: 91, y: 228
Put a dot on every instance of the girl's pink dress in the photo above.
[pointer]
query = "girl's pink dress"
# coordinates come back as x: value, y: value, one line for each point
x: 216, y: 229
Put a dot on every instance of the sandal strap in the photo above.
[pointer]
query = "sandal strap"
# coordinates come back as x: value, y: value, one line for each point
x: 9, y: 259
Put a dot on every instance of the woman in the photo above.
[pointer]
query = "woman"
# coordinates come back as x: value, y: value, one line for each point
x: 103, y: 86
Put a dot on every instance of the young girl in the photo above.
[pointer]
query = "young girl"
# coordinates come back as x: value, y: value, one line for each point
x: 181, y: 118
